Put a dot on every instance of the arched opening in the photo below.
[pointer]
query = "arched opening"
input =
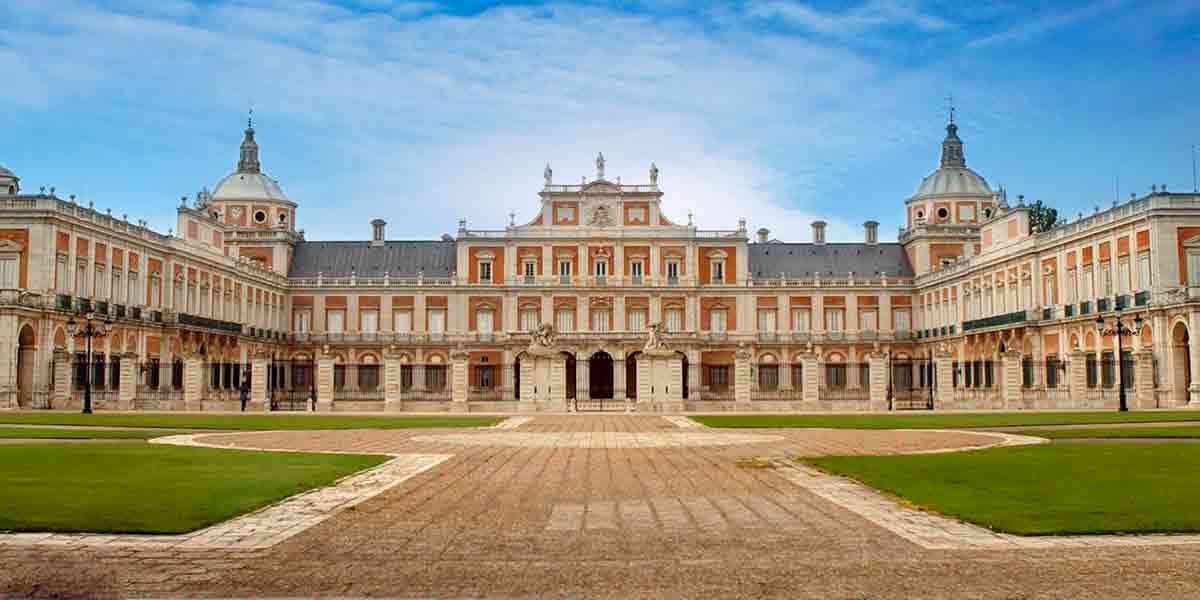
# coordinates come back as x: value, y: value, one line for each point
x: 600, y: 376
x: 570, y: 375
x: 1181, y: 365
x: 684, y: 372
x: 631, y: 380
x: 26, y: 350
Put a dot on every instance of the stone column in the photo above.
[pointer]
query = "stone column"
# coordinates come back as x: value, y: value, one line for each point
x: 129, y: 373
x: 673, y: 385
x: 878, y: 362
x: 695, y: 376
x: 943, y: 365
x: 324, y: 382
x: 742, y: 378
x: 259, y: 365
x: 583, y: 390
x: 528, y: 401
x: 1010, y: 380
x: 1077, y: 377
x: 458, y: 381
x: 810, y: 395
x: 391, y: 382
x: 619, y: 376
x: 558, y: 382
x: 1194, y: 359
x: 62, y: 379
x: 1143, y: 380
x: 645, y: 380
x: 193, y: 383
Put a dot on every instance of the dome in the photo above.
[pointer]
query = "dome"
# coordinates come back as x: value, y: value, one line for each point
x: 6, y: 174
x: 953, y: 180
x: 249, y: 186
x: 953, y: 177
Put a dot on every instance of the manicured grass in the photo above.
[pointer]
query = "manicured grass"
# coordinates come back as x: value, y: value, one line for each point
x: 1185, y: 432
x: 148, y: 488
x: 1046, y: 489
x: 76, y: 434
x: 926, y: 420
x: 243, y: 422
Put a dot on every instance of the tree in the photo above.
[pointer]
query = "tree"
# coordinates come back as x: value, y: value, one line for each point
x: 1042, y: 217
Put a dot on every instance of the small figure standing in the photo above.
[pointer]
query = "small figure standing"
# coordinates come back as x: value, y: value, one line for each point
x: 244, y: 392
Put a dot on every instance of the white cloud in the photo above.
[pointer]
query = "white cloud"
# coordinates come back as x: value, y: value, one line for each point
x: 870, y: 15
x: 1043, y: 24
x: 425, y: 120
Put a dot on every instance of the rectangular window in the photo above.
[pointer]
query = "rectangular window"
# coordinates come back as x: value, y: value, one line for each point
x: 1106, y: 270
x: 601, y: 268
x: 81, y: 285
x: 564, y: 268
x: 564, y: 213
x: 302, y: 321
x: 1087, y: 285
x: 9, y: 273
x: 1144, y: 271
x: 802, y: 319
x: 564, y: 319
x: 674, y: 319
x: 869, y: 320
x: 835, y: 319
x: 530, y: 269
x: 637, y: 320
x: 529, y: 319
x: 101, y: 283
x: 672, y: 270
x: 601, y: 320
x: 768, y: 377
x: 766, y: 319
x: 718, y: 377
x: 118, y: 290
x: 1123, y: 281
x: 718, y: 320
x: 485, y: 272
x: 61, y: 275
x: 835, y: 375
x: 483, y: 321
x: 903, y: 319
x: 718, y: 271
x: 402, y: 321
x: 368, y: 321
x: 437, y: 320
x: 335, y: 320
x: 635, y: 269
x: 1072, y: 286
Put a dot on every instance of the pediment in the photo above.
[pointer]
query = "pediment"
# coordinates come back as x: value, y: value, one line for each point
x: 1192, y: 242
x: 10, y: 246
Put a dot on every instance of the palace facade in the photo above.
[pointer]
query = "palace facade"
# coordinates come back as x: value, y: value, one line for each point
x: 599, y: 301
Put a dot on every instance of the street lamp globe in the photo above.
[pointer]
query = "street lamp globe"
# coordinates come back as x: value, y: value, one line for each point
x: 72, y: 326
x: 1100, y: 324
x: 108, y: 324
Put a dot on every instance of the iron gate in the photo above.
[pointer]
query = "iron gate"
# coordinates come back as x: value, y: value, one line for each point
x: 291, y: 385
x: 595, y: 389
x: 912, y: 384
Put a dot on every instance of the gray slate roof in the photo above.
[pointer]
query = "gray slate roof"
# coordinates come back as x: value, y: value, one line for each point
x: 803, y: 259
x: 435, y: 258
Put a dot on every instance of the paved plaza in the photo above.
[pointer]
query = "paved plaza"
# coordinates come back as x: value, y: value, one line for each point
x: 611, y: 506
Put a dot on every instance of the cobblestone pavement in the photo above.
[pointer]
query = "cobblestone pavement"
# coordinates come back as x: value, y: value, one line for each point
x: 624, y: 522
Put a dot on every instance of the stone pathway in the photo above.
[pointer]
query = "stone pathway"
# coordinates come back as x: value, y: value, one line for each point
x: 595, y: 517
x: 684, y: 422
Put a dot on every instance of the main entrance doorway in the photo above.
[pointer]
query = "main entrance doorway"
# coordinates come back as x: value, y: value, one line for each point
x: 600, y: 386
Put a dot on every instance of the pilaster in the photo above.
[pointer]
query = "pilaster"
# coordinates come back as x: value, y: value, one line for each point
x: 128, y: 388
x: 458, y: 381
x: 1143, y: 379
x: 741, y: 377
x: 391, y: 382
x: 943, y: 366
x: 877, y: 363
x: 193, y: 383
x: 810, y: 375
x: 324, y: 382
x: 528, y: 402
x: 258, y: 381
x: 62, y: 379
x: 1077, y: 374
x: 1010, y: 380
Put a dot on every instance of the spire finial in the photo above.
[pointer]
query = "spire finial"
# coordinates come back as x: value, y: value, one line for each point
x: 950, y: 105
x: 250, y: 119
x: 600, y: 166
x: 248, y: 159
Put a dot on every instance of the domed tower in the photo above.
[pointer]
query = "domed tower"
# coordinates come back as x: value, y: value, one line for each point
x: 258, y: 216
x: 944, y: 215
x: 10, y: 184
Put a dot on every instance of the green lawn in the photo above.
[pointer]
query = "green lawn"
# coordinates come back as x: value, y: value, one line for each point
x: 1184, y: 432
x: 1047, y: 489
x: 148, y: 488
x: 76, y: 434
x: 242, y: 422
x: 925, y: 420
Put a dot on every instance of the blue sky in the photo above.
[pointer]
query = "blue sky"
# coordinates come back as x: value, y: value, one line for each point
x: 422, y: 112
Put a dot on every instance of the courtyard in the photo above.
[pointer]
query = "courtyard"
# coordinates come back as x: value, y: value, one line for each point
x: 608, y: 506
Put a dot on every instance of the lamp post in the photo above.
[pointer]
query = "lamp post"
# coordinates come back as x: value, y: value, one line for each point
x: 90, y: 331
x: 1120, y: 331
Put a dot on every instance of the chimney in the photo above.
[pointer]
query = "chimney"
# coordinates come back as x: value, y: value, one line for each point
x: 763, y: 235
x: 377, y: 232
x: 871, y: 228
x: 818, y: 232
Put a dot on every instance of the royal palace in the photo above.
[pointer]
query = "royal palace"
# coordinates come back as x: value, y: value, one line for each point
x: 599, y: 301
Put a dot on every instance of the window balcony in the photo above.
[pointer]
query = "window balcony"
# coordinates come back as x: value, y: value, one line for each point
x: 995, y: 321
x: 1141, y: 298
x: 768, y: 336
x: 530, y: 280
x: 135, y: 312
x: 1102, y: 305
x: 63, y: 302
x: 635, y: 280
x: 1068, y: 310
x: 83, y: 305
x: 600, y: 280
x: 119, y: 311
x: 564, y: 280
x: 672, y: 281
x: 1085, y: 308
x: 1121, y: 301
